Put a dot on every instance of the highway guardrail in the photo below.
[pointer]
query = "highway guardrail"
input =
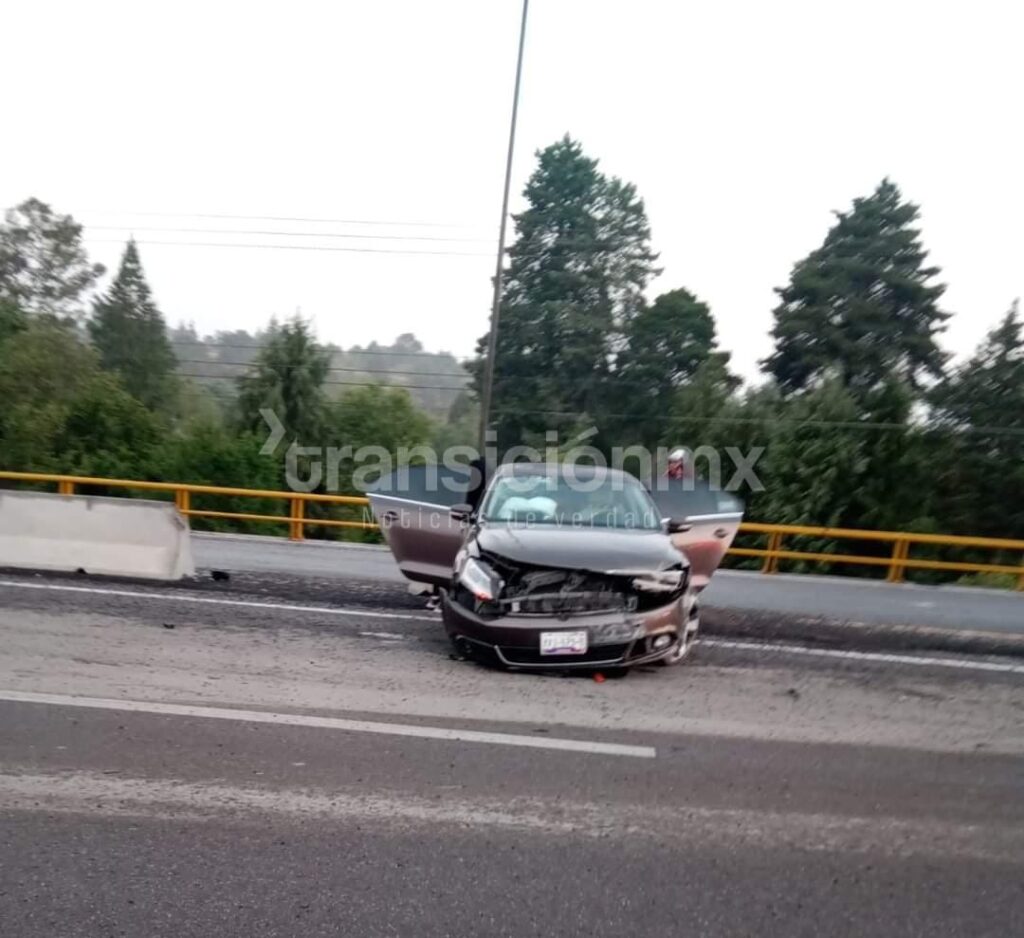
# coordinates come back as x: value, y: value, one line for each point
x: 897, y: 560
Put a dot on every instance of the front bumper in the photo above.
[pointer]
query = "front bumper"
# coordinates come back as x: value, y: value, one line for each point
x: 614, y: 639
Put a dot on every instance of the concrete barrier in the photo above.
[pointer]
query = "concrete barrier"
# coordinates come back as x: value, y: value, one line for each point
x: 112, y: 536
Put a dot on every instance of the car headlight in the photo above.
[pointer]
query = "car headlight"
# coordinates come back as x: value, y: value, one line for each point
x: 480, y: 579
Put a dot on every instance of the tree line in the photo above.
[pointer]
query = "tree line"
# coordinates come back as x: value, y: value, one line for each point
x: 92, y: 385
x: 864, y: 421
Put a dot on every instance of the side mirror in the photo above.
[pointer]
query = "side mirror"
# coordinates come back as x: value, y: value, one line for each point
x: 676, y: 525
x: 461, y: 512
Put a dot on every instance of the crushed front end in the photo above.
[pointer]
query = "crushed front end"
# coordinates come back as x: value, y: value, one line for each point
x: 523, y: 616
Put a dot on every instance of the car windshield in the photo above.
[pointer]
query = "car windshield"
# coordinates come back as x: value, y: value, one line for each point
x: 599, y: 502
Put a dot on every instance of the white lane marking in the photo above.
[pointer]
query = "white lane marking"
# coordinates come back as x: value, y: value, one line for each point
x: 866, y: 656
x: 209, y: 600
x: 332, y: 723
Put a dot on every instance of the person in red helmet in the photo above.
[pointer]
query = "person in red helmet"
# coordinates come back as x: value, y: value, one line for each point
x: 679, y: 466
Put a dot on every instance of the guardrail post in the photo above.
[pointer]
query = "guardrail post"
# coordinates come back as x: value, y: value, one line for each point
x: 65, y: 487
x: 298, y: 512
x: 183, y: 500
x: 771, y: 561
x: 900, y: 550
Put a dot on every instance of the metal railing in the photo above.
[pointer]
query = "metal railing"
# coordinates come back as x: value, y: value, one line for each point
x: 183, y: 491
x: 897, y: 562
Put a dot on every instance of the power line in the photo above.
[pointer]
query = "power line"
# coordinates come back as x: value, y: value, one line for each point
x: 508, y: 376
x: 381, y: 371
x: 289, y: 234
x: 681, y: 418
x: 322, y: 348
x: 289, y: 218
x: 769, y: 421
x: 288, y: 247
x: 772, y: 421
x: 346, y: 384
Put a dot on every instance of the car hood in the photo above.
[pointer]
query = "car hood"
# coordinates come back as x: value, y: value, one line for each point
x: 596, y: 549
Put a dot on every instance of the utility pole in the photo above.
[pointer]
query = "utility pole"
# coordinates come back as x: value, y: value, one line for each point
x: 492, y: 338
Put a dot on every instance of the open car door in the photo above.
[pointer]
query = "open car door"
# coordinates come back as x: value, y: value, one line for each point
x: 413, y: 508
x: 714, y: 518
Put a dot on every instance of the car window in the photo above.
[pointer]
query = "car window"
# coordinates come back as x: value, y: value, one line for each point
x: 614, y: 502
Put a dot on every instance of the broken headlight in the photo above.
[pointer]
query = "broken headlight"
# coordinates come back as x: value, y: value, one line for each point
x: 480, y: 579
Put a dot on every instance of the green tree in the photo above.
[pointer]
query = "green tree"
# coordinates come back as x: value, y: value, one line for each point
x: 12, y: 319
x: 575, y: 281
x: 384, y: 418
x: 106, y: 432
x: 461, y: 426
x: 198, y: 402
x: 863, y: 307
x: 814, y: 459
x: 44, y: 269
x: 375, y: 416
x: 704, y: 410
x: 895, y: 489
x: 62, y: 413
x: 206, y: 452
x: 980, y: 407
x: 287, y: 377
x: 130, y: 335
x: 667, y: 343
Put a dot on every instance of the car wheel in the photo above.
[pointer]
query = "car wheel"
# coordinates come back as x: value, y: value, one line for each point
x: 684, y: 648
x: 461, y: 649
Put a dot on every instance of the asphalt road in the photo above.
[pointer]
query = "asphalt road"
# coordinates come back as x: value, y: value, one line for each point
x: 187, y: 763
x: 870, y: 602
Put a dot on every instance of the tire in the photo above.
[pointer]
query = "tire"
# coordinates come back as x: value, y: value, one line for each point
x: 684, y: 649
x: 461, y: 649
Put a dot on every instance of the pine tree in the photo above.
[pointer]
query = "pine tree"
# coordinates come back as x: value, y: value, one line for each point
x: 666, y: 344
x: 575, y: 280
x: 814, y: 459
x: 288, y: 377
x: 988, y: 389
x: 130, y: 335
x: 981, y: 407
x: 863, y: 306
x: 894, y: 490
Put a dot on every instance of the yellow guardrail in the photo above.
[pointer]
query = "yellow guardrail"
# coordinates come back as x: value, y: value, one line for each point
x: 183, y: 491
x: 899, y: 559
x: 897, y: 562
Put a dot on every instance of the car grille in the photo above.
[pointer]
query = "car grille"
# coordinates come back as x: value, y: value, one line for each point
x: 566, y: 603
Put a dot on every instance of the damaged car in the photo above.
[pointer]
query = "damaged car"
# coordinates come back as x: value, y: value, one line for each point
x: 561, y: 566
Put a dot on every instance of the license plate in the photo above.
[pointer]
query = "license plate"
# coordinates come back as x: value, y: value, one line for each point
x: 563, y: 643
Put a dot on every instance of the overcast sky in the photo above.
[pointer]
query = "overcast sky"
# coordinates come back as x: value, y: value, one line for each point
x: 743, y: 125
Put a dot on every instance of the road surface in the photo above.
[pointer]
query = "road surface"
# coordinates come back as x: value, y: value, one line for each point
x: 865, y: 601
x: 191, y: 763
